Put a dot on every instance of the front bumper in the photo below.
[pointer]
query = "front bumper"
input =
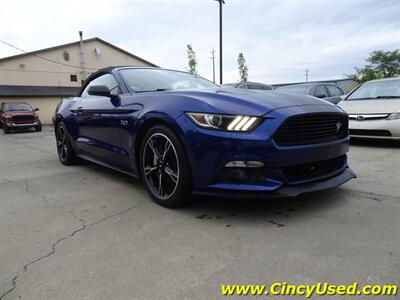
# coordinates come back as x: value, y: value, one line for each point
x: 23, y: 125
x: 209, y: 151
x: 378, y: 129
x: 391, y: 138
x: 287, y: 191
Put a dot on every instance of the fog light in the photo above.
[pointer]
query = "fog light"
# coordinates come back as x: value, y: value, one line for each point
x: 244, y: 164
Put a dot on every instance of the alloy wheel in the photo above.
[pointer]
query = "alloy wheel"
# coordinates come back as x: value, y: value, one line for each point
x: 62, y: 147
x: 160, y: 165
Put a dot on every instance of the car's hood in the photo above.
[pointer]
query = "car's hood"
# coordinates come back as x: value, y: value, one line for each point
x: 239, y: 101
x: 379, y: 106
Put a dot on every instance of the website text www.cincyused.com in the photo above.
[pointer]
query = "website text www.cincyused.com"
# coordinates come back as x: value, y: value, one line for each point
x: 308, y: 290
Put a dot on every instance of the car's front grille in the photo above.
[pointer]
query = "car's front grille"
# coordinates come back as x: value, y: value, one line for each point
x: 314, y: 170
x: 311, y: 129
x: 370, y: 132
x: 23, y: 118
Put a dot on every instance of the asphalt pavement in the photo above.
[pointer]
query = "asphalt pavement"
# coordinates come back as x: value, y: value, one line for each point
x: 86, y: 232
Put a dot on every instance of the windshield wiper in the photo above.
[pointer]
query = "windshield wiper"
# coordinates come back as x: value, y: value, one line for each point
x: 365, y: 98
x: 388, y: 97
x: 377, y: 97
x: 157, y: 90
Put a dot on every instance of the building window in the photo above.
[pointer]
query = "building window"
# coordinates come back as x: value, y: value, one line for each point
x: 66, y: 55
x: 73, y: 78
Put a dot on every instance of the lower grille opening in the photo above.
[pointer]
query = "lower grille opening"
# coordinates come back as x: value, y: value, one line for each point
x: 314, y: 170
x: 21, y: 119
x: 370, y: 132
x: 241, y: 175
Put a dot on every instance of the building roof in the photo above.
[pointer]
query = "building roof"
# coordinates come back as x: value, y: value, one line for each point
x: 37, y: 91
x: 236, y: 84
x: 317, y: 81
x: 387, y: 79
x: 77, y: 43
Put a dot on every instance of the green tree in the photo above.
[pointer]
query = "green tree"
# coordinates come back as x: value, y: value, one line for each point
x: 243, y: 69
x: 382, y: 64
x: 192, y: 61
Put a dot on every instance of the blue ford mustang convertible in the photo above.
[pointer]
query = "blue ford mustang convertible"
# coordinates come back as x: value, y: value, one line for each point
x: 182, y: 134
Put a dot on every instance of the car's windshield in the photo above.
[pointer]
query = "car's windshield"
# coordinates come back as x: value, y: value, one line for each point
x: 384, y: 89
x: 149, y: 80
x: 17, y: 107
x: 229, y: 85
x: 296, y: 89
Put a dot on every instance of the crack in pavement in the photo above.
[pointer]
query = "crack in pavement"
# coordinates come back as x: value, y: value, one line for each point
x: 82, y: 221
x: 54, y: 245
x: 27, y: 188
x: 369, y: 195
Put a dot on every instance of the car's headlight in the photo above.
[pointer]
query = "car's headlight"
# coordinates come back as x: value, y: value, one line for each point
x: 225, y: 122
x: 393, y: 116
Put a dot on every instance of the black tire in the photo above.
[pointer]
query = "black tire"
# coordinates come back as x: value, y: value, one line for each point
x: 1, y: 124
x: 38, y: 128
x: 6, y: 130
x: 65, y: 151
x: 172, y: 168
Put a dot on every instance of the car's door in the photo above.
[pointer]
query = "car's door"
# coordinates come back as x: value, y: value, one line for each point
x: 320, y: 92
x: 98, y: 121
x: 267, y: 87
x: 255, y: 86
x: 1, y: 114
x: 334, y: 93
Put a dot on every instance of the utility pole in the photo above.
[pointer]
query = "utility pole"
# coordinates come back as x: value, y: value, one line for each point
x: 82, y: 57
x: 307, y: 71
x: 221, y: 2
x: 213, y: 62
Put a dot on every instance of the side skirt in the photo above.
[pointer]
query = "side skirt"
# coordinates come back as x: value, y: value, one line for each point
x: 107, y: 165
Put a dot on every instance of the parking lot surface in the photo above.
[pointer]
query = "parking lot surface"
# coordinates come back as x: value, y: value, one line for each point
x: 86, y: 232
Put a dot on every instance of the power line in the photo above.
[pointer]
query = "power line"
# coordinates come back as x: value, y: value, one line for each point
x: 44, y: 58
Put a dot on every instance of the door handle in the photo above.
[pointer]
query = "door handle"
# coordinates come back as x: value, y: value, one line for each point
x: 78, y: 110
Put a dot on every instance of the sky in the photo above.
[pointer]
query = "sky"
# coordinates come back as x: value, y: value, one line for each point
x: 279, y: 39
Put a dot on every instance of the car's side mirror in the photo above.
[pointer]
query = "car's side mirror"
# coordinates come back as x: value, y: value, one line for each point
x: 100, y: 90
x: 320, y: 96
x: 36, y: 109
x: 343, y: 97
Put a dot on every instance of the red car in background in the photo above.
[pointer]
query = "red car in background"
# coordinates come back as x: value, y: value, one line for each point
x: 18, y: 115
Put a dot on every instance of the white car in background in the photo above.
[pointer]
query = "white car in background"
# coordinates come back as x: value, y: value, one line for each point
x: 374, y: 109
